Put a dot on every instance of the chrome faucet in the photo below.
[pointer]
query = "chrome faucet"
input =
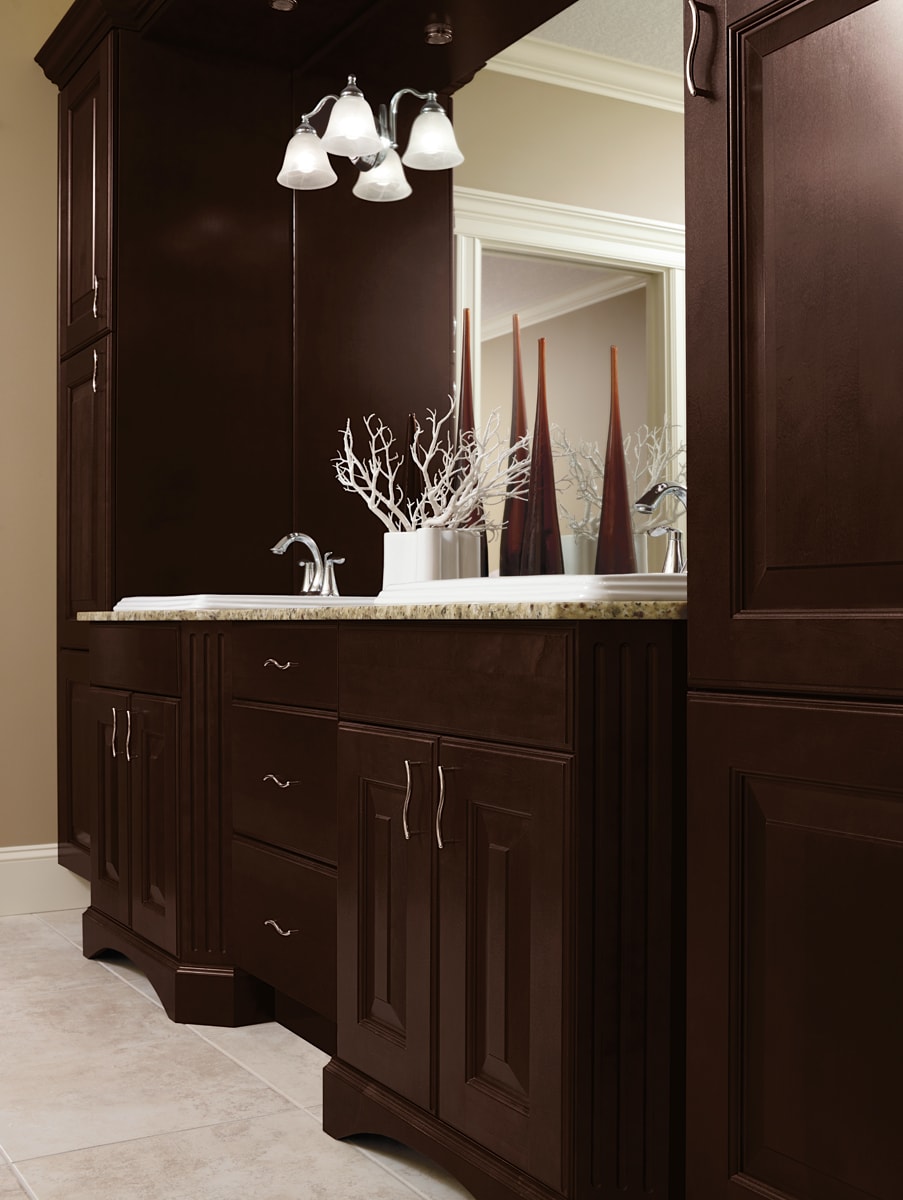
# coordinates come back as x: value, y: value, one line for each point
x: 650, y: 500
x: 313, y: 583
x: 675, y: 563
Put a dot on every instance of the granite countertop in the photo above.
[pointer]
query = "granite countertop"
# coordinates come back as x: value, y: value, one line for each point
x: 546, y: 610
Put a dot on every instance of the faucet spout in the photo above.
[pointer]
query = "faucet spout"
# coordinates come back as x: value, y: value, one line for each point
x: 315, y: 587
x: 650, y: 500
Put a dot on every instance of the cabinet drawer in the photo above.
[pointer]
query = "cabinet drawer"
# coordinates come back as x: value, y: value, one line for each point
x: 510, y: 683
x: 299, y: 749
x: 285, y: 664
x: 299, y: 897
x: 135, y: 658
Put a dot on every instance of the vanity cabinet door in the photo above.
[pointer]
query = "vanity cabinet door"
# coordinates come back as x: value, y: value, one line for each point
x: 110, y: 857
x: 385, y: 905
x: 503, y: 937
x: 152, y: 762
x: 85, y: 193
x: 135, y: 787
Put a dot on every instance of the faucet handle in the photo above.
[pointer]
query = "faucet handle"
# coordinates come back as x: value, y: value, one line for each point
x: 330, y: 562
x: 674, y: 563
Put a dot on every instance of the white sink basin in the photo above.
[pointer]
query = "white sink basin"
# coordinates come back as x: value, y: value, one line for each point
x: 204, y: 601
x: 515, y: 589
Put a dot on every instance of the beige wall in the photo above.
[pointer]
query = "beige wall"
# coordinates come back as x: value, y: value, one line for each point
x: 27, y: 435
x: 570, y: 147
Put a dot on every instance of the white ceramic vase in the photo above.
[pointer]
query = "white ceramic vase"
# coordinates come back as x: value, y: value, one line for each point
x: 424, y: 554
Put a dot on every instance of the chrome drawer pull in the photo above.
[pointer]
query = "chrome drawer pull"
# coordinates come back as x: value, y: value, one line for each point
x: 283, y: 783
x: 407, y: 802
x: 113, y: 735
x: 439, y: 841
x: 691, y: 49
x: 272, y: 662
x: 281, y: 932
x: 128, y: 735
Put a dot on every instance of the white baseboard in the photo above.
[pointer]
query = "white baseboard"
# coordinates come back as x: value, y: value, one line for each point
x: 31, y: 880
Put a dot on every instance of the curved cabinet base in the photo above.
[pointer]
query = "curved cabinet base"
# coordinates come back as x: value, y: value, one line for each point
x: 355, y: 1103
x: 190, y: 994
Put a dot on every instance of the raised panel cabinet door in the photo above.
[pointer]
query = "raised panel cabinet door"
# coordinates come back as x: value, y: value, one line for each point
x: 794, y: 219
x: 86, y: 245
x: 386, y: 814
x: 151, y: 750
x: 795, y: 944
x: 110, y: 858
x: 74, y: 774
x: 84, y: 497
x: 504, y: 932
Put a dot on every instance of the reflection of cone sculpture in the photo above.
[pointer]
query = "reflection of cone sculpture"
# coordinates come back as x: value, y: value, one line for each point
x: 515, y: 506
x: 615, y: 552
x: 467, y: 428
x: 541, y: 552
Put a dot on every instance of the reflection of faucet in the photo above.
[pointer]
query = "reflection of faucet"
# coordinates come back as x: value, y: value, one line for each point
x: 650, y: 500
x: 675, y: 563
x: 313, y: 584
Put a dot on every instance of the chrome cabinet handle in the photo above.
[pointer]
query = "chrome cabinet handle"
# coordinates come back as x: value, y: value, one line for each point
x: 96, y: 290
x: 283, y: 783
x: 691, y: 49
x: 113, y: 734
x: 128, y: 734
x: 407, y: 802
x: 94, y: 375
x: 272, y: 662
x: 439, y: 841
x: 281, y: 932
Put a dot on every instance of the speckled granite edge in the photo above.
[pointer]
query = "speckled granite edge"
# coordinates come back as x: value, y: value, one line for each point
x: 595, y: 610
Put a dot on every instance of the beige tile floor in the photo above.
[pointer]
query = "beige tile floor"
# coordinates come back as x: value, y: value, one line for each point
x: 102, y: 1097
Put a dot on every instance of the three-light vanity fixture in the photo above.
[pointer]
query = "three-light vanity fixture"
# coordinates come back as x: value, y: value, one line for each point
x: 352, y: 133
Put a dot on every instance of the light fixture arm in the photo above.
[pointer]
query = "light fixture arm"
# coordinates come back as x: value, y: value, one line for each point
x: 432, y: 103
x: 305, y: 117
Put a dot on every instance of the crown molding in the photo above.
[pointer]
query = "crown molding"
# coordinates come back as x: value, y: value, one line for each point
x: 82, y: 29
x: 565, y: 66
x: 588, y: 234
x: 616, y: 284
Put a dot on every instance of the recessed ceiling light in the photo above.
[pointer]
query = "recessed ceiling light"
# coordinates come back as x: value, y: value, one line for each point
x: 283, y: 5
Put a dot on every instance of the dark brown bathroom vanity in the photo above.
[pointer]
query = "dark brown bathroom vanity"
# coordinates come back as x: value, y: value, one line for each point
x: 450, y: 852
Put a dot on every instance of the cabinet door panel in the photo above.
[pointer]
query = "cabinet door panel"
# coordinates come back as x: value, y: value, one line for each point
x: 384, y: 908
x: 110, y: 864
x: 796, y: 377
x: 75, y: 726
x: 152, y: 759
x: 502, y: 951
x: 795, y: 1047
x: 85, y: 187
x: 84, y: 510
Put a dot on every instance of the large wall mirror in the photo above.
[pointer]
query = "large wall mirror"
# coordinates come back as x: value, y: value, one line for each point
x: 569, y: 212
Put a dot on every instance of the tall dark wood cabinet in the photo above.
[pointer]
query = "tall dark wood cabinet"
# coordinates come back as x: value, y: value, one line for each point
x: 795, y: 842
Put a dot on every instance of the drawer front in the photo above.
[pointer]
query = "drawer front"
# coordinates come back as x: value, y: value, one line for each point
x: 284, y: 778
x: 135, y: 657
x: 510, y: 682
x: 285, y: 664
x: 269, y: 890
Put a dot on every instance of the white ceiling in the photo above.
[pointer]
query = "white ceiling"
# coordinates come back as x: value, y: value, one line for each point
x: 648, y: 32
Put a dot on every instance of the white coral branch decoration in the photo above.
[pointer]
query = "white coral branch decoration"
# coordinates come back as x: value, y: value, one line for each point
x: 458, y: 482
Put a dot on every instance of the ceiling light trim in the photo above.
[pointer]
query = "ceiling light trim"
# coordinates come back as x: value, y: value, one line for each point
x: 565, y: 66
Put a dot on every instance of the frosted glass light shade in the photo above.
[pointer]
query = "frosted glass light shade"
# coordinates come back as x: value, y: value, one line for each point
x: 385, y: 182
x: 306, y: 165
x: 351, y: 131
x: 432, y: 145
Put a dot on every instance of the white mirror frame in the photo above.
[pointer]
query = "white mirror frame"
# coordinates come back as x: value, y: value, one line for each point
x: 513, y: 224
